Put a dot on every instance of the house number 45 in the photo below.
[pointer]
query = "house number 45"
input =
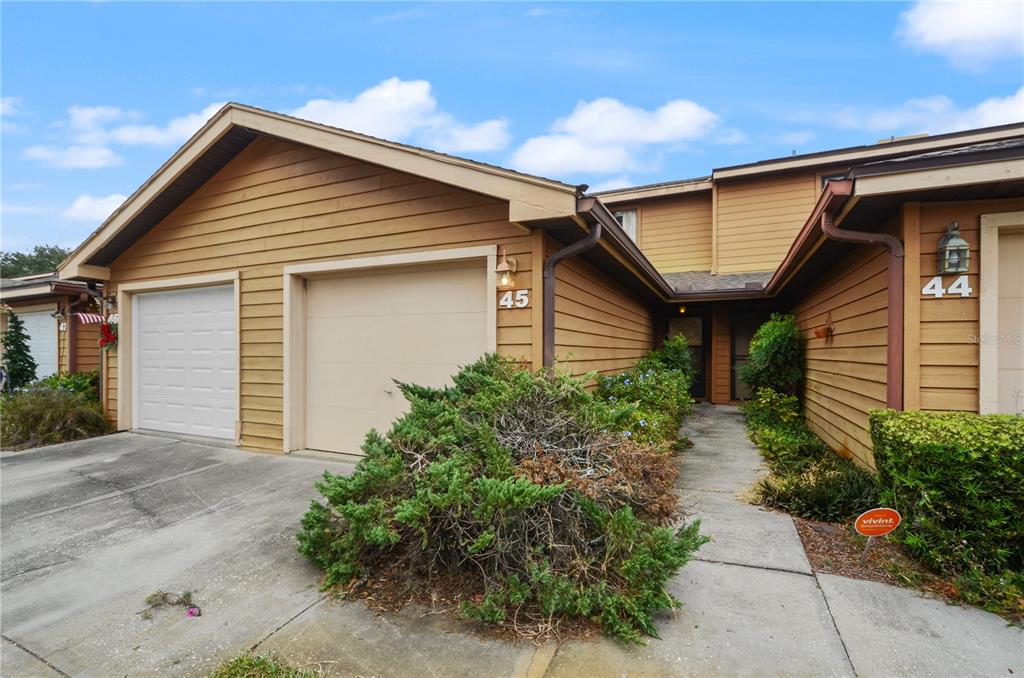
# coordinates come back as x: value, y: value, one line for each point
x: 935, y: 289
x: 517, y: 299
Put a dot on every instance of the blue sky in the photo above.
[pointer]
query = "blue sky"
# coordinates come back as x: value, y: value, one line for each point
x: 97, y: 95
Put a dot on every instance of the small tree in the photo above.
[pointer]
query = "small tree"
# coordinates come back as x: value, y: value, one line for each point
x: 776, y: 357
x: 21, y: 367
x: 40, y: 259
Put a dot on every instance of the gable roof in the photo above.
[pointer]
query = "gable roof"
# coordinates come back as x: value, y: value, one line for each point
x: 235, y: 126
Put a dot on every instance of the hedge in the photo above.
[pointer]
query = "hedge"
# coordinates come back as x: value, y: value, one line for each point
x: 958, y: 481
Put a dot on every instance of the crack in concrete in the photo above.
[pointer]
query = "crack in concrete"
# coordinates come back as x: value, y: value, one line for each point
x: 768, y: 568
x: 36, y: 656
x: 288, y: 621
x: 832, y: 618
x: 117, y: 493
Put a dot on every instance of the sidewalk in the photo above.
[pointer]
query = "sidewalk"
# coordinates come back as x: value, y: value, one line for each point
x: 752, y: 607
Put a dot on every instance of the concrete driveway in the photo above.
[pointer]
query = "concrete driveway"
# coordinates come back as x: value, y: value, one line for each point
x: 90, y: 528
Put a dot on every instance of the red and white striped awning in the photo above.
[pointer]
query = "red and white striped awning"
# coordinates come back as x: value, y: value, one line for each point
x: 89, y: 318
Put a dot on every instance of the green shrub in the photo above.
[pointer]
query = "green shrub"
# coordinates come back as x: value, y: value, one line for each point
x: 524, y: 485
x: 958, y: 481
x: 776, y: 356
x: 87, y: 383
x: 657, y: 392
x: 44, y: 416
x: 825, y: 487
x: 770, y: 408
x: 21, y: 366
x: 807, y: 479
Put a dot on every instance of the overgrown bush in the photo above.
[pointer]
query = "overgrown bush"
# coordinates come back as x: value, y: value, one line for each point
x: 807, y: 479
x: 525, y: 486
x: 958, y: 481
x: 776, y: 356
x: 86, y: 383
x: 39, y: 415
x: 657, y: 391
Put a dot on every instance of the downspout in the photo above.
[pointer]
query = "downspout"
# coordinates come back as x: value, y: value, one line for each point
x: 549, y: 287
x: 894, y: 355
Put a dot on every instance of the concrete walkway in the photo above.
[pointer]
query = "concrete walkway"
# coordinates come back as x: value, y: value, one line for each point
x: 752, y: 607
x: 90, y: 528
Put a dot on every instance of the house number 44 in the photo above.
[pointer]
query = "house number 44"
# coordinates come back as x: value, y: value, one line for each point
x: 935, y: 289
x: 517, y: 299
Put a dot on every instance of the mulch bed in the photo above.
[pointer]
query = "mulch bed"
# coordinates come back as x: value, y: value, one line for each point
x: 837, y: 549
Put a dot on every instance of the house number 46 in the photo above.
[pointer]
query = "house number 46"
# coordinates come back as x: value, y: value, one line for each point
x: 935, y: 289
x: 517, y: 299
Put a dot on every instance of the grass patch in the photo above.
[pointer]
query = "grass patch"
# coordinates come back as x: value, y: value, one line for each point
x: 254, y: 666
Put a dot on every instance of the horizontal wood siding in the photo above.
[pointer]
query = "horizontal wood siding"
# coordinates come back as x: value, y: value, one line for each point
x: 949, y: 326
x: 675, y: 233
x: 280, y: 203
x: 846, y: 373
x: 87, y: 340
x: 599, y: 325
x: 757, y: 220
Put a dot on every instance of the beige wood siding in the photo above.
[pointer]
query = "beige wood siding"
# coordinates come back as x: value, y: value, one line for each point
x: 599, y: 325
x: 88, y: 341
x: 675, y: 233
x: 281, y: 203
x: 846, y: 373
x: 949, y: 326
x: 757, y: 219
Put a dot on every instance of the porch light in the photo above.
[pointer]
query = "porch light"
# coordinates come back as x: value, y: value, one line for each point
x: 505, y: 271
x: 682, y: 310
x: 954, y: 253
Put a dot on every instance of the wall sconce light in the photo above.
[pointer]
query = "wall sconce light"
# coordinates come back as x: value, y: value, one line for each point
x: 682, y: 310
x: 954, y: 254
x: 505, y: 271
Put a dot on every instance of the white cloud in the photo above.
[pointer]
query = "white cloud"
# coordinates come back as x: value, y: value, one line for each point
x: 608, y: 120
x: 10, y: 106
x: 403, y: 15
x: 94, y: 208
x: 406, y: 110
x: 606, y: 136
x: 74, y: 157
x: 934, y: 115
x: 621, y: 181
x: 177, y: 131
x: 557, y: 154
x: 970, y: 34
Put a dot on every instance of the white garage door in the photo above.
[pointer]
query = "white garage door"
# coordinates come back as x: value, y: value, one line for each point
x: 184, y: 361
x: 416, y: 324
x: 41, y: 328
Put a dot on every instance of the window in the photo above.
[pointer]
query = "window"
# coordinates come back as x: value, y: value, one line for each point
x: 627, y: 219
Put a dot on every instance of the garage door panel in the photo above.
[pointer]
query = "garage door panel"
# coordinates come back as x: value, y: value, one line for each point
x: 185, y: 361
x: 41, y: 328
x: 384, y: 337
x: 365, y: 330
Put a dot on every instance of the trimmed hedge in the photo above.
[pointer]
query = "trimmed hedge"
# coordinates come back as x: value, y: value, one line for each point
x: 958, y: 481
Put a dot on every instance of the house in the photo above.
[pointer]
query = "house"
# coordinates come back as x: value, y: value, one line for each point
x: 275, y: 275
x: 61, y: 319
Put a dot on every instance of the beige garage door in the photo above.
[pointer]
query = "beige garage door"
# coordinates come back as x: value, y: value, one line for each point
x: 1011, y: 323
x: 364, y: 329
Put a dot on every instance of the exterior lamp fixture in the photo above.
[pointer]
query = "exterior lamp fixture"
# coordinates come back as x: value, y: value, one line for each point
x: 682, y: 310
x: 505, y: 271
x: 954, y: 254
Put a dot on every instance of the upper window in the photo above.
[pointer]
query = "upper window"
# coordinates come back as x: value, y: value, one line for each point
x: 627, y: 219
